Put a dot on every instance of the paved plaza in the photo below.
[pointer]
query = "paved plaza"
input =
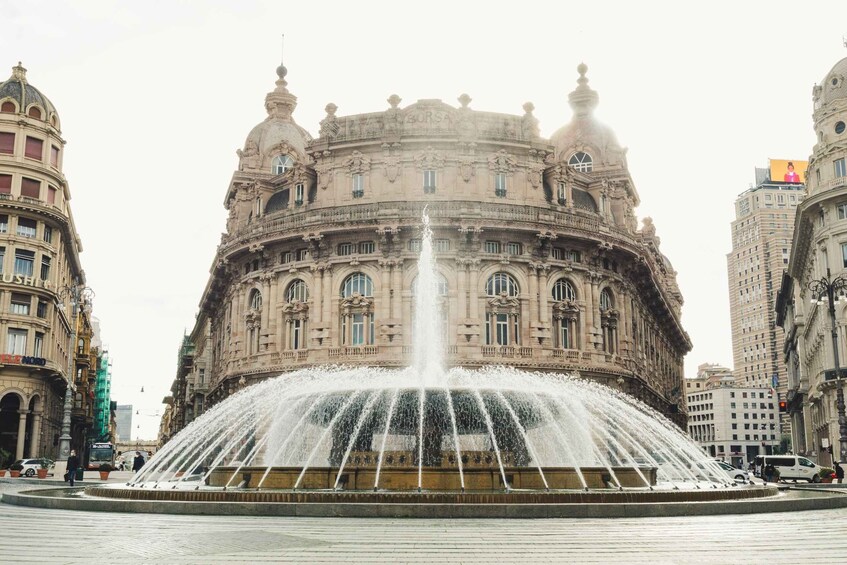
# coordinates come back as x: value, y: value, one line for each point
x: 60, y: 536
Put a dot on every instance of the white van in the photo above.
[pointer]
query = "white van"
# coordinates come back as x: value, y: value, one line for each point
x: 791, y: 467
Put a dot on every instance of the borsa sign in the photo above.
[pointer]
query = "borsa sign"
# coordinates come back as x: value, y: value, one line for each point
x: 8, y: 359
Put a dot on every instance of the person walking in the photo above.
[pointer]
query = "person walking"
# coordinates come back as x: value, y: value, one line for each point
x: 839, y: 473
x: 138, y: 462
x: 768, y: 473
x: 72, y: 466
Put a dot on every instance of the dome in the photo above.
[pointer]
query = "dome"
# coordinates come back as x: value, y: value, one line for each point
x: 24, y: 94
x: 584, y: 134
x: 278, y: 134
x: 834, y: 86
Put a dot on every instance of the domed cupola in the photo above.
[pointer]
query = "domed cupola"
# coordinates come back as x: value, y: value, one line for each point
x: 17, y: 96
x: 585, y: 144
x: 276, y: 144
x: 834, y: 86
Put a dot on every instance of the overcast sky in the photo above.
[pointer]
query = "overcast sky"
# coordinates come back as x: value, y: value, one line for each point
x: 155, y: 97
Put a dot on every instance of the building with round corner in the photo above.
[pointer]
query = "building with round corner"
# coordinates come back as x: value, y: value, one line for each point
x: 39, y: 255
x: 541, y: 260
x: 818, y: 250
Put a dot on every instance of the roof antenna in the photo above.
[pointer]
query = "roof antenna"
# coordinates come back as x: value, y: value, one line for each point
x: 282, y: 48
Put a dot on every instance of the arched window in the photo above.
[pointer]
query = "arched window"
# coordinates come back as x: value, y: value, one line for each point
x: 34, y: 113
x: 8, y: 106
x: 563, y: 290
x: 608, y: 321
x: 501, y: 283
x: 357, y: 311
x: 296, y: 312
x: 297, y: 292
x: 502, y: 315
x: 565, y: 315
x: 581, y: 162
x: 357, y: 283
x: 255, y: 300
x: 282, y: 163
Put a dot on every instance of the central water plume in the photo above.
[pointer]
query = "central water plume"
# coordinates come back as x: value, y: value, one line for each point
x: 427, y: 347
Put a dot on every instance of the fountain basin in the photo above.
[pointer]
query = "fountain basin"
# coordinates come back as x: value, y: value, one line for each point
x: 399, y: 479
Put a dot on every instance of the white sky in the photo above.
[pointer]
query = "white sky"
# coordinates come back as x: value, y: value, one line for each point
x: 156, y: 96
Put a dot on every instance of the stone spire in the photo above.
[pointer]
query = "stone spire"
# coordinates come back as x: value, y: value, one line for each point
x: 280, y: 103
x: 583, y: 100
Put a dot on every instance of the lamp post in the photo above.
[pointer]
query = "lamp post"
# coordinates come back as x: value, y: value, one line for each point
x: 76, y: 294
x: 827, y: 287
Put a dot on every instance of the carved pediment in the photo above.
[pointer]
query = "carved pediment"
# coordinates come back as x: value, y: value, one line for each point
x: 357, y: 303
x: 502, y: 162
x: 296, y: 310
x: 429, y: 159
x: 565, y: 310
x: 504, y: 303
x: 358, y: 163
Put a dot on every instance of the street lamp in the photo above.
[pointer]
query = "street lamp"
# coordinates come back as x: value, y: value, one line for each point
x: 76, y: 294
x: 827, y: 287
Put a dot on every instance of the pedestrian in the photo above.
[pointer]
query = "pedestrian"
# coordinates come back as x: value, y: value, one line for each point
x: 768, y: 473
x: 839, y: 473
x: 138, y: 462
x: 72, y: 466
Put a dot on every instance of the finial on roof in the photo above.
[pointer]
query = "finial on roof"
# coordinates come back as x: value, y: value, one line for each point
x: 19, y: 72
x: 583, y: 100
x: 394, y: 100
x: 464, y: 100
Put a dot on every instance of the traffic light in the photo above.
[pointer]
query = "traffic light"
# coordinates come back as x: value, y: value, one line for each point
x: 783, y: 406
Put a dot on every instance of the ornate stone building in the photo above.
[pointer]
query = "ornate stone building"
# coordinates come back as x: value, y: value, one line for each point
x: 819, y: 246
x: 39, y: 255
x: 541, y: 260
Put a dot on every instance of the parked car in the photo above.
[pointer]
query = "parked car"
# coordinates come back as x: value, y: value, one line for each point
x: 29, y: 467
x: 734, y: 473
x: 792, y: 467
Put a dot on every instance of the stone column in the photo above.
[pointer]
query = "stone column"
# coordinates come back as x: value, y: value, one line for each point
x: 328, y: 288
x: 397, y: 287
x: 473, y: 290
x: 385, y: 274
x: 542, y: 293
x: 35, y: 439
x: 534, y: 314
x: 19, y: 449
x: 317, y: 296
x: 461, y: 290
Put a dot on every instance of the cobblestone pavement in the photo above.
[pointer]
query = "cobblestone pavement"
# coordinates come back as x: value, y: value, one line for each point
x: 61, y: 536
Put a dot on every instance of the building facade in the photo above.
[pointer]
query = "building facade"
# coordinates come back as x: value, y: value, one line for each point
x: 761, y: 247
x: 123, y: 422
x: 39, y: 257
x: 819, y: 249
x: 542, y: 262
x: 728, y: 420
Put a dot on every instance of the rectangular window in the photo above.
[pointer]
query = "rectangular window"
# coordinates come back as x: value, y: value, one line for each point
x: 38, y: 346
x: 20, y: 304
x: 2, y: 257
x: 302, y: 254
x: 34, y: 148
x: 441, y: 245
x: 844, y: 254
x: 30, y: 188
x: 202, y: 376
x: 45, y: 267
x: 500, y: 185
x: 502, y: 325
x: 513, y: 248
x: 346, y: 248
x: 429, y: 181
x: 367, y: 247
x: 574, y: 256
x: 7, y: 142
x: 41, y: 310
x: 24, y: 261
x: 840, y: 169
x: 492, y: 247
x: 5, y: 184
x: 358, y: 329
x: 415, y: 245
x: 16, y: 342
x: 26, y: 227
x: 48, y: 234
x: 287, y: 257
x: 560, y: 192
x: 558, y: 253
x: 54, y: 156
x: 4, y: 223
x: 51, y: 195
x: 358, y: 186
x: 298, y: 194
x: 841, y: 209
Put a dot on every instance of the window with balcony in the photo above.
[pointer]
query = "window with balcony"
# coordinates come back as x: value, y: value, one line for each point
x: 34, y: 148
x: 7, y: 142
x: 20, y: 304
x: 302, y: 254
x: 16, y: 341
x: 2, y: 258
x: 565, y: 314
x: 24, y: 262
x: 608, y: 321
x: 287, y: 257
x: 296, y: 313
x: 51, y: 195
x: 357, y: 313
x: 26, y: 227
x: 840, y: 168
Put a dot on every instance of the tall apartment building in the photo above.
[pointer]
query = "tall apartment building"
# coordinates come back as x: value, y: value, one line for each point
x: 730, y: 421
x: 761, y: 247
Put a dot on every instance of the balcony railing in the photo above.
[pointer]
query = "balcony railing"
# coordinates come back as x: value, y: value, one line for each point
x: 506, y: 351
x: 359, y: 351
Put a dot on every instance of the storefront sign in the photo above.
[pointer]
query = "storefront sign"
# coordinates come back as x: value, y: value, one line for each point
x: 8, y: 359
x: 25, y: 281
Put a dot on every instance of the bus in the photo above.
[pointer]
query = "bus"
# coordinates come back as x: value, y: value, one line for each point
x: 101, y: 453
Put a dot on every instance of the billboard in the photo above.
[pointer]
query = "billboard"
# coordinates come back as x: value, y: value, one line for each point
x: 784, y: 170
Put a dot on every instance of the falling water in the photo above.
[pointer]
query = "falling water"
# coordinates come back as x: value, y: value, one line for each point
x: 337, y: 418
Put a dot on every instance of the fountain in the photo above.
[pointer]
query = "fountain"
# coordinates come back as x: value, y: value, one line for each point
x: 427, y: 429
